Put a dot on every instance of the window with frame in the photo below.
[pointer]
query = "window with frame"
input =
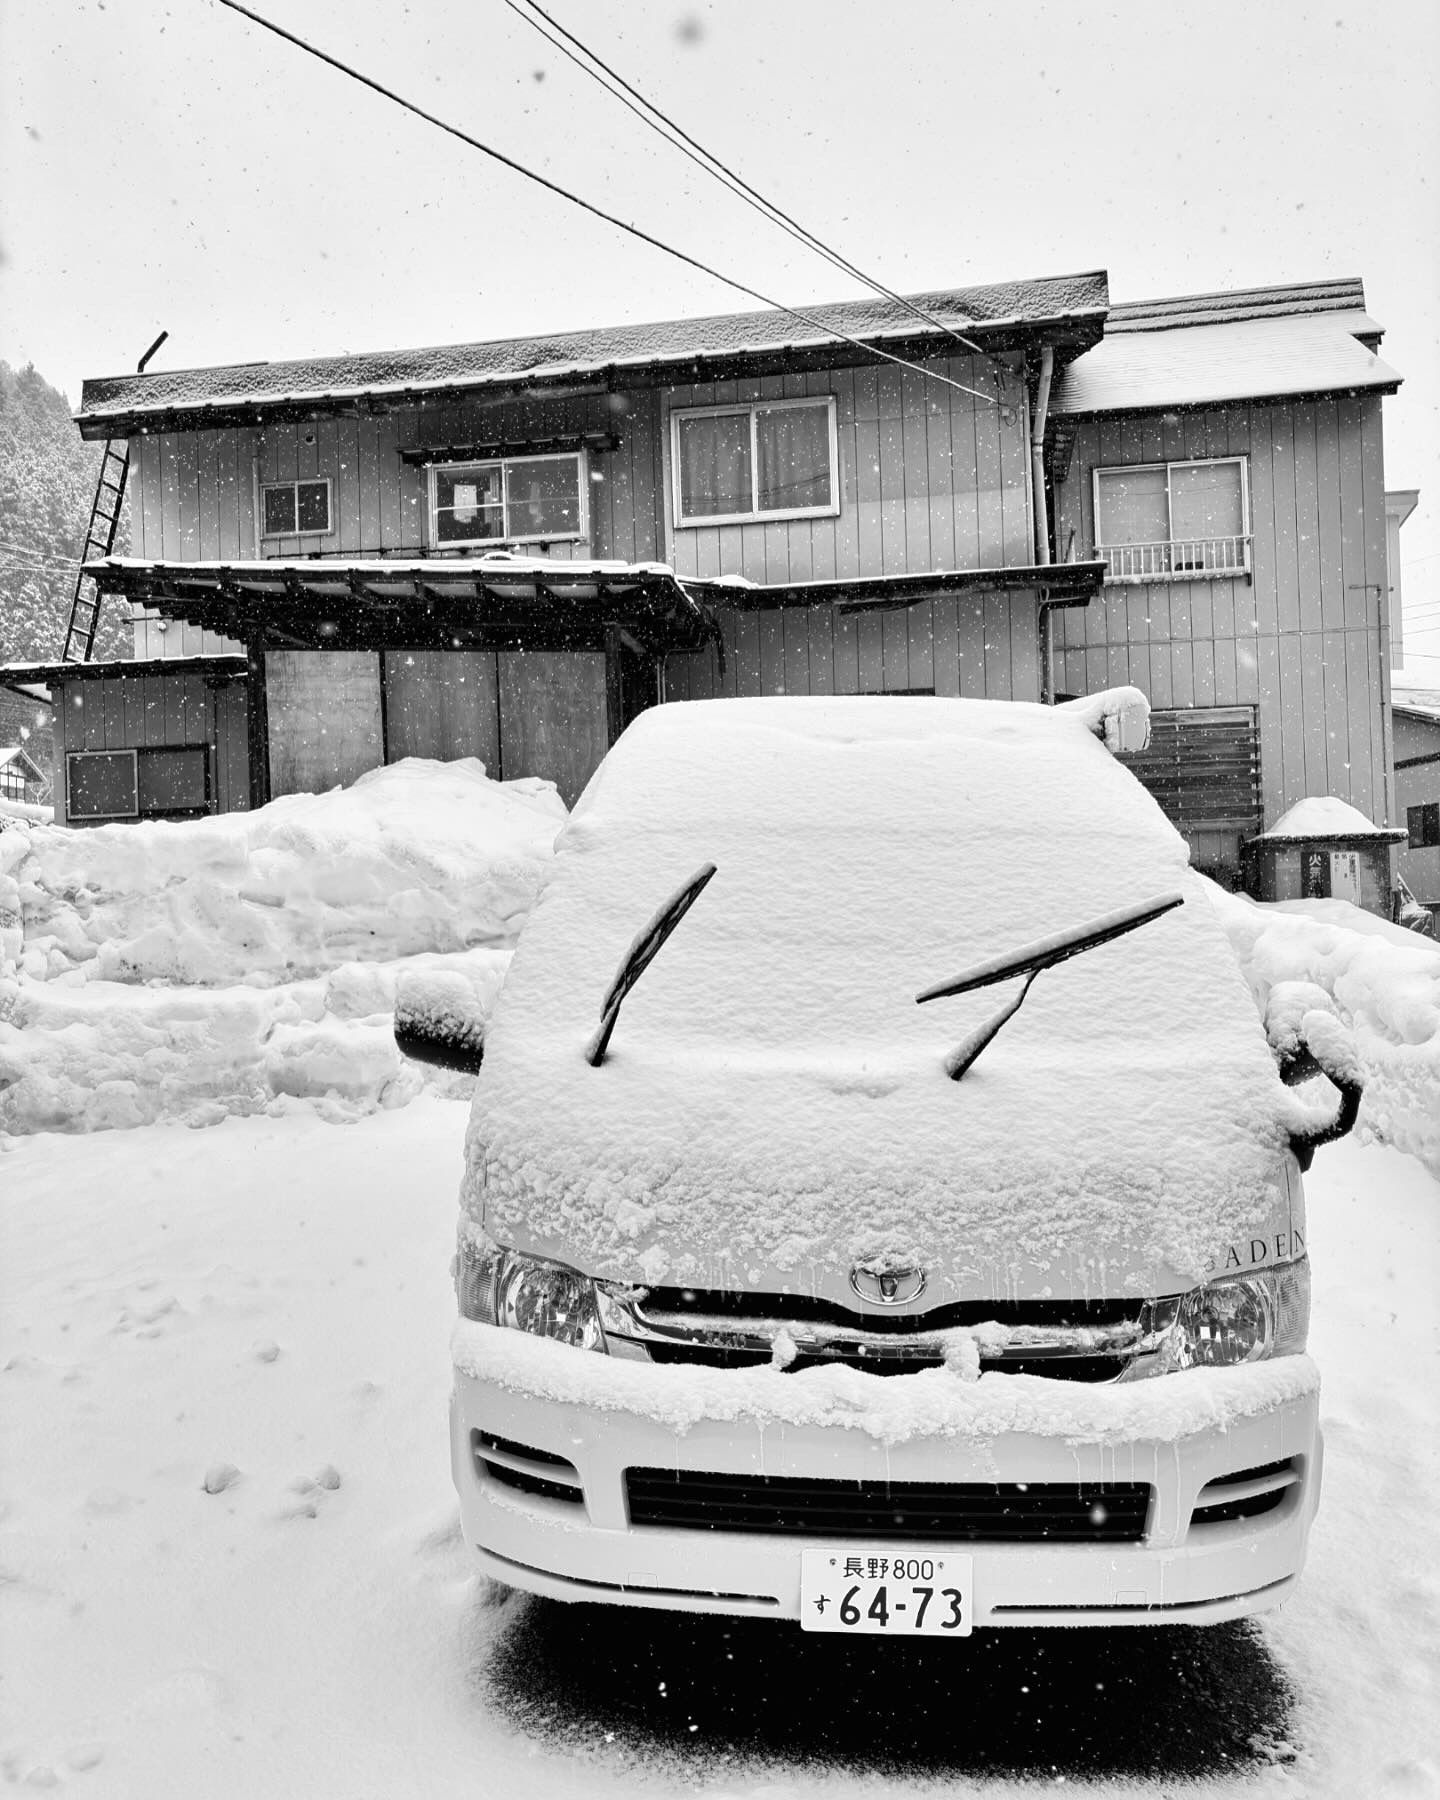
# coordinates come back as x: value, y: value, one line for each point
x: 295, y: 508
x: 516, y: 500
x: 1180, y: 518
x: 775, y: 459
x: 1423, y: 824
x: 153, y: 781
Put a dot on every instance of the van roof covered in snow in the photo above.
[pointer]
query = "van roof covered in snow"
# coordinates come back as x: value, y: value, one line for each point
x: 774, y: 1105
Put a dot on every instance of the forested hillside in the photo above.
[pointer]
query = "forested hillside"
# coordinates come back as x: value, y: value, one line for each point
x: 47, y: 483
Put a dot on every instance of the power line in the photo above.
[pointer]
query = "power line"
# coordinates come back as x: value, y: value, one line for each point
x: 635, y: 231
x: 20, y: 552
x: 661, y: 123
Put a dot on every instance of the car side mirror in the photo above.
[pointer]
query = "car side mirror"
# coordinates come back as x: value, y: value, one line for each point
x: 439, y: 1020
x: 1310, y: 1040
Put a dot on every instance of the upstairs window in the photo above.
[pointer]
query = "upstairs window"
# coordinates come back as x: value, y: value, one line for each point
x: 520, y: 500
x: 295, y: 509
x: 1182, y: 518
x: 774, y: 460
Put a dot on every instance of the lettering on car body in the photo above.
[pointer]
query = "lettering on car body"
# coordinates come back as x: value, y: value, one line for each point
x: 1279, y: 1247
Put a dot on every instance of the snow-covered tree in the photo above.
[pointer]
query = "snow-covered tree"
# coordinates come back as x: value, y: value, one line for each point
x: 47, y: 485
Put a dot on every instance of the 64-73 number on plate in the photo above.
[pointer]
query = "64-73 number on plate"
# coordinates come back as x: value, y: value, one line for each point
x: 877, y: 1591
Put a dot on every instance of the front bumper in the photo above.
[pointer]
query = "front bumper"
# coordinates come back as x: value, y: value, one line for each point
x: 581, y: 1545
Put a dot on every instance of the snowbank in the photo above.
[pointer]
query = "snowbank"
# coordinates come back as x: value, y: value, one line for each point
x: 419, y: 856
x: 24, y: 811
x: 933, y: 1403
x: 1383, y: 982
x: 238, y: 963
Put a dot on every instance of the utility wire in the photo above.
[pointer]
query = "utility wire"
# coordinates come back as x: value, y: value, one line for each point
x: 660, y: 122
x: 635, y: 231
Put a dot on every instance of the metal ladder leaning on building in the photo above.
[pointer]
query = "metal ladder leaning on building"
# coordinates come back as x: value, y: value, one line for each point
x: 100, y: 538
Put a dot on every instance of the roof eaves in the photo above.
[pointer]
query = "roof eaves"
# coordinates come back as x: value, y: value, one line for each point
x: 126, y: 407
x: 1138, y: 409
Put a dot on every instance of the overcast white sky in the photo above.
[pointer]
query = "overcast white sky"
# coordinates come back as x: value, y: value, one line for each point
x: 167, y: 163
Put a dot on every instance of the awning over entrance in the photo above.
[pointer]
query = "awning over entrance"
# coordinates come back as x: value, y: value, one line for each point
x: 1053, y: 584
x: 495, y: 602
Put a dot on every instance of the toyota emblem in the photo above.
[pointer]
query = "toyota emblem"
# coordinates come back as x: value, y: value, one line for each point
x: 888, y: 1287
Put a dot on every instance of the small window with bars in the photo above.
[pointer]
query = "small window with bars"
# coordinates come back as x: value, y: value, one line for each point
x: 295, y: 509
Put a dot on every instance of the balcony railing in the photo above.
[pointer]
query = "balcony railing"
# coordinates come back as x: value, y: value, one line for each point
x: 1182, y: 558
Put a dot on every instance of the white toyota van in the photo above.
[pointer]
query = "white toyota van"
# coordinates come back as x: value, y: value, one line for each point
x: 782, y: 1294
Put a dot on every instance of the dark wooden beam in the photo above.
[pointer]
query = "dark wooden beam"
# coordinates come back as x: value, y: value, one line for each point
x: 257, y: 723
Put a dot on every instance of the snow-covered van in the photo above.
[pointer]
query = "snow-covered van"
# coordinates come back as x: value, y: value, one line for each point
x: 782, y: 1294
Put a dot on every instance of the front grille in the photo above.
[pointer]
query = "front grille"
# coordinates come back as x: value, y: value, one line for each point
x: 938, y: 1512
x: 740, y: 1304
x: 725, y: 1356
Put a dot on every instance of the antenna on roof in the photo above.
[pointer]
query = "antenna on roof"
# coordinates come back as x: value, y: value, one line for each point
x: 140, y: 366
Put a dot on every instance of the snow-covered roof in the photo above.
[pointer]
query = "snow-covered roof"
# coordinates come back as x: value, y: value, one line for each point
x: 674, y: 348
x: 1416, y: 702
x: 1189, y: 364
x: 774, y: 1104
x: 1321, y: 816
x: 1287, y: 300
x: 20, y: 757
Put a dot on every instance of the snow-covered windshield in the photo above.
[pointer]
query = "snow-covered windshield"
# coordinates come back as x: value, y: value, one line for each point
x: 776, y: 1104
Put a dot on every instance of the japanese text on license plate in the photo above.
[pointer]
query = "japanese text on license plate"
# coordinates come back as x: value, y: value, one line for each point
x: 899, y: 1594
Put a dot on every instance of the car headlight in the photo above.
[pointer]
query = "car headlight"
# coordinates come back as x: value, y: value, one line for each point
x: 1242, y: 1319
x: 527, y: 1293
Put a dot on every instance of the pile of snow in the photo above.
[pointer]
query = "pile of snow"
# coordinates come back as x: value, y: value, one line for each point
x: 932, y: 1403
x: 229, y: 964
x: 1381, y: 981
x: 26, y: 811
x: 1320, y: 816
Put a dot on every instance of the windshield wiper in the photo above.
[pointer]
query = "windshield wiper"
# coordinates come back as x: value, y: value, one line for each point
x: 639, y: 957
x: 1029, y: 960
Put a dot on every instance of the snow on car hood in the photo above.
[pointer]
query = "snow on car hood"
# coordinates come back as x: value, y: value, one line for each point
x: 774, y: 1107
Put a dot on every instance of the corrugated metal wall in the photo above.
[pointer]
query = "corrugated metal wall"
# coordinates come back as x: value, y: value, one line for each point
x: 977, y: 646
x: 1306, y: 639
x: 930, y: 478
x: 194, y: 493
x: 119, y: 712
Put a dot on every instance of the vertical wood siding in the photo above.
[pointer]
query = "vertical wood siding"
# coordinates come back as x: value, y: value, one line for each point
x: 325, y: 718
x: 982, y: 647
x: 1306, y: 638
x: 930, y: 478
x: 442, y: 704
x: 123, y: 712
x: 194, y: 494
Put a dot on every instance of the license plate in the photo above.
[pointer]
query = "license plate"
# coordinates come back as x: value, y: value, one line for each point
x: 877, y: 1591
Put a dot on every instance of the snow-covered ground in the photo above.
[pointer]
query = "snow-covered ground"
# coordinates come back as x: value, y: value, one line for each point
x: 230, y: 1561
x: 266, y: 1305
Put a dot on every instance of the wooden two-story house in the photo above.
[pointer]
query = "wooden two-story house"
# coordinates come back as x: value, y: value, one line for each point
x: 507, y: 549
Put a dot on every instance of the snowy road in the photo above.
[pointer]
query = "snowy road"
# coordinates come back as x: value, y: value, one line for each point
x: 267, y: 1302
